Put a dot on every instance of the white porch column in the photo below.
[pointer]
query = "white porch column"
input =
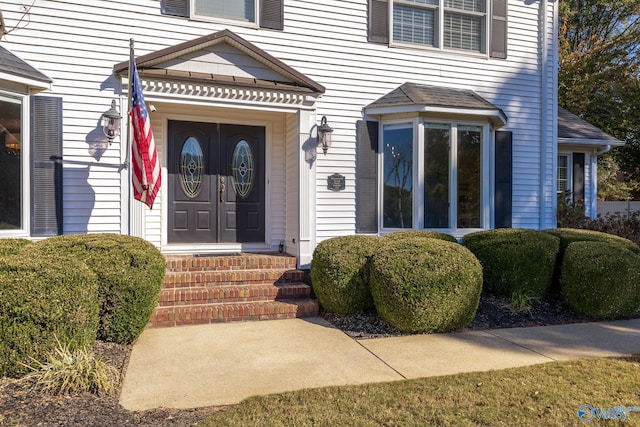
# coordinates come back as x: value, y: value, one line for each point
x: 307, y: 196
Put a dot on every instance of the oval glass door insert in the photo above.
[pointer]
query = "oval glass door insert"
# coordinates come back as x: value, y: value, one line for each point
x: 242, y: 168
x: 191, y: 167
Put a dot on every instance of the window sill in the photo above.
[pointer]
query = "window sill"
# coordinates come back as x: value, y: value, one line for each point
x: 447, y: 52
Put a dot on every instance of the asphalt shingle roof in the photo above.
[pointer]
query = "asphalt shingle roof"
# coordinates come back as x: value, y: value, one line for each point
x: 571, y: 126
x: 435, y: 96
x: 11, y: 64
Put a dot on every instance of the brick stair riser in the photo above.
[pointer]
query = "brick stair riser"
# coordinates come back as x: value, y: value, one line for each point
x: 222, y: 263
x: 218, y: 313
x: 211, y: 289
x: 232, y: 293
x: 223, y: 278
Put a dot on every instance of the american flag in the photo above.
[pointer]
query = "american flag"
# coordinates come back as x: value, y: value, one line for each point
x: 146, y: 165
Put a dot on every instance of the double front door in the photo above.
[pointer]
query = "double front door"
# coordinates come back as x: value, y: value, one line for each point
x: 216, y: 183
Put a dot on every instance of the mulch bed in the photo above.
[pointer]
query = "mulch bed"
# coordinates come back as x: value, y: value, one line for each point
x: 20, y: 405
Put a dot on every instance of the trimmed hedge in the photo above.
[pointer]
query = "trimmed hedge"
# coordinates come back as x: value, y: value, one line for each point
x: 601, y: 280
x: 421, y: 233
x: 339, y: 273
x: 12, y: 246
x: 425, y: 285
x: 130, y: 273
x: 570, y: 235
x: 515, y: 260
x: 44, y: 298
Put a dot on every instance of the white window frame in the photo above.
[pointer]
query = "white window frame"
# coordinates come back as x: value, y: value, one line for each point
x: 25, y: 156
x: 569, y: 188
x: 228, y: 20
x: 440, y: 11
x: 486, y: 175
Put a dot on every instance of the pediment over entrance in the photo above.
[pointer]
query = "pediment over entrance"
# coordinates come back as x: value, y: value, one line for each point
x: 221, y: 59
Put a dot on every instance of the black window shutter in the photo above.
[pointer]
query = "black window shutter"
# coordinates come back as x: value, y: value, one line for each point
x: 498, y: 47
x: 272, y: 14
x: 46, y: 166
x: 503, y: 184
x: 578, y: 176
x: 378, y: 21
x: 175, y: 7
x: 366, y: 177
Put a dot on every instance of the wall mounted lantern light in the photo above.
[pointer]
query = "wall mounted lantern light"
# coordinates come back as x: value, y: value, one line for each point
x: 324, y: 135
x: 111, y: 122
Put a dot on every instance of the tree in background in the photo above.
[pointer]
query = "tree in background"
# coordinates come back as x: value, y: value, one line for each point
x: 599, y: 79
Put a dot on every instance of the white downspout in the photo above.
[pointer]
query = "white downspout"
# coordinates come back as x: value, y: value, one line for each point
x: 605, y: 150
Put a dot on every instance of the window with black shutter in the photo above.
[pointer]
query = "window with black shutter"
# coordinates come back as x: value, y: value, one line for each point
x: 441, y: 24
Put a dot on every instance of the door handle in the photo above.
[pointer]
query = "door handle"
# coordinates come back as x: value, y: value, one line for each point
x: 222, y: 188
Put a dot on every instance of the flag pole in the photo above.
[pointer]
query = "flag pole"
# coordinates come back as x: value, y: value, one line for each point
x: 127, y: 155
x: 127, y: 158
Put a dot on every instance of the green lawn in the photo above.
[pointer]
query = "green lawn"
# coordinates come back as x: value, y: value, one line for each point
x: 540, y: 395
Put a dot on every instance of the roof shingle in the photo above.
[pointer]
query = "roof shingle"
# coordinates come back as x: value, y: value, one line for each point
x: 11, y: 64
x: 571, y: 126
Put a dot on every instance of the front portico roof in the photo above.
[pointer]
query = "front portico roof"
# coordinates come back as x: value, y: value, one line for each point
x: 217, y: 59
x: 418, y: 98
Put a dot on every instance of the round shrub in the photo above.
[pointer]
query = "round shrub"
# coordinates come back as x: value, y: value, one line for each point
x: 12, y: 246
x: 570, y: 235
x: 519, y: 261
x: 339, y: 273
x: 43, y: 300
x: 420, y: 233
x: 130, y: 274
x: 425, y: 285
x: 601, y: 280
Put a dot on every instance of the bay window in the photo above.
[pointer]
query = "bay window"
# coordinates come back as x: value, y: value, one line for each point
x: 449, y: 164
x: 12, y: 164
x: 398, y: 176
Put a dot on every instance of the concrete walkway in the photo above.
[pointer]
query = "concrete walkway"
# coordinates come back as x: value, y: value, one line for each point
x: 221, y: 364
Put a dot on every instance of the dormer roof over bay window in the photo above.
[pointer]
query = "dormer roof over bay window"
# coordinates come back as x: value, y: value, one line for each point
x: 436, y: 101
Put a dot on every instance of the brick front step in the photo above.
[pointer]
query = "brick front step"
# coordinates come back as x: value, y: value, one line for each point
x: 177, y: 279
x: 233, y: 312
x: 231, y: 288
x: 233, y: 293
x: 242, y: 261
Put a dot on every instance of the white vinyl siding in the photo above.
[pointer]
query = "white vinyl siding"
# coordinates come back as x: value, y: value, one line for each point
x: 62, y: 39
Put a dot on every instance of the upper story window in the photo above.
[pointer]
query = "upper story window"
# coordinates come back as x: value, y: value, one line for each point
x: 263, y: 13
x: 477, y: 26
x: 241, y: 10
x: 451, y: 24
